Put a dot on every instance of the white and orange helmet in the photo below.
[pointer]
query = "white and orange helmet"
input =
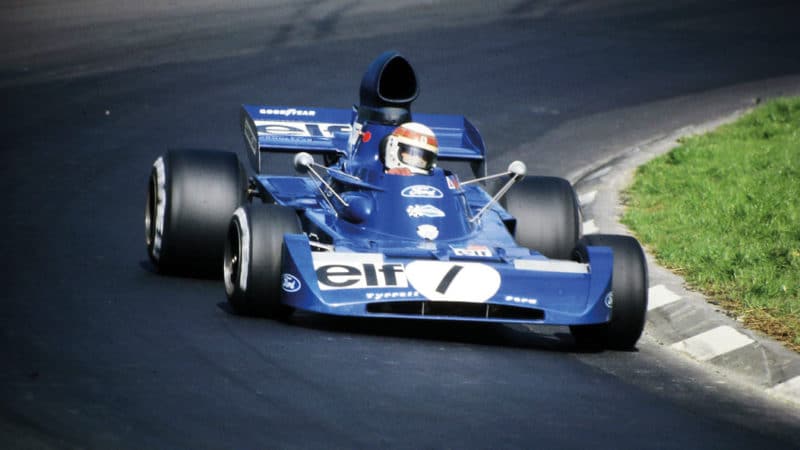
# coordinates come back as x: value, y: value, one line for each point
x: 413, y: 146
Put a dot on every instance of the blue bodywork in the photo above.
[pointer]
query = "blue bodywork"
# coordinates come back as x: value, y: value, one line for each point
x: 409, y: 246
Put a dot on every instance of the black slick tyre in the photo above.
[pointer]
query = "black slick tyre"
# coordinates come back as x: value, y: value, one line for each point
x: 253, y: 258
x: 547, y: 215
x: 629, y: 289
x: 190, y: 198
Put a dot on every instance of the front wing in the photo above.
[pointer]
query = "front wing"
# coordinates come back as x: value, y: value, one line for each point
x: 534, y: 290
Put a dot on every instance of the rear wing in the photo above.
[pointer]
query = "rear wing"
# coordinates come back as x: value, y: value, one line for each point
x: 291, y: 130
x: 270, y: 129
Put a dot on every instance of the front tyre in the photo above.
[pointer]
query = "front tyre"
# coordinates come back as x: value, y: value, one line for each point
x: 629, y: 289
x: 253, y: 259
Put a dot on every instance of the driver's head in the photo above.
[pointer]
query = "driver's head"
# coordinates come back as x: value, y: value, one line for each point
x: 411, y: 146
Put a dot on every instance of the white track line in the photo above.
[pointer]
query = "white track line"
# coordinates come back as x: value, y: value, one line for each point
x: 713, y: 343
x: 659, y: 296
x: 589, y: 227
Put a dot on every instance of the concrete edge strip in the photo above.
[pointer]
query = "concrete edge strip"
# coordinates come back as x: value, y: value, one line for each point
x: 587, y: 198
x: 712, y: 343
x: 789, y: 388
x: 589, y: 227
x: 659, y: 295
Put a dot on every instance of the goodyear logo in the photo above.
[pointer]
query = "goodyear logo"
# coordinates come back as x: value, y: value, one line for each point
x: 287, y: 112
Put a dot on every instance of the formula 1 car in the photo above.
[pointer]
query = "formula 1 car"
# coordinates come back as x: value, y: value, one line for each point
x: 346, y: 238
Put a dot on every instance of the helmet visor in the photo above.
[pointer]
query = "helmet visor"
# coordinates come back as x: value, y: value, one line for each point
x: 416, y: 157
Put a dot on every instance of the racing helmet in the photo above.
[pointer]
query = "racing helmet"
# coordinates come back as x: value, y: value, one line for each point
x: 411, y: 146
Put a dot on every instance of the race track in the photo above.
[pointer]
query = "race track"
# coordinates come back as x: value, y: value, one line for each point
x: 101, y: 352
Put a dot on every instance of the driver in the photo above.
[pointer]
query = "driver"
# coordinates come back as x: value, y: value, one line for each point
x: 410, y: 149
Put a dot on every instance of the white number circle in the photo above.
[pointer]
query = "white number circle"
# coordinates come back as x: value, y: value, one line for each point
x: 453, y: 281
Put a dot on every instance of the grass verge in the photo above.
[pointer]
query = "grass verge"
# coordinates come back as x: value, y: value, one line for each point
x: 723, y: 210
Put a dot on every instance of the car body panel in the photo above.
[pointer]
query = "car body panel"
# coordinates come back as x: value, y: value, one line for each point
x: 409, y: 246
x: 445, y: 286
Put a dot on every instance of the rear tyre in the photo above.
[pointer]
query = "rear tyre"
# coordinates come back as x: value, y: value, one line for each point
x: 629, y: 289
x: 190, y: 198
x: 547, y: 215
x: 253, y: 259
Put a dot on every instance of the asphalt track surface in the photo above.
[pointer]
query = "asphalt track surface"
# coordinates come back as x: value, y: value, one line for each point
x: 99, y: 351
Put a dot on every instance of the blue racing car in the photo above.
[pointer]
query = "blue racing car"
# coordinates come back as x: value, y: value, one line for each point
x: 389, y: 214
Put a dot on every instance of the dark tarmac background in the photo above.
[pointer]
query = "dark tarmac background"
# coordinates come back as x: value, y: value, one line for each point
x: 98, y: 351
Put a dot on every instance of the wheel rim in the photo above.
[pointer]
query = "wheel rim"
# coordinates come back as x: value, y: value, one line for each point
x: 236, y: 264
x: 155, y: 210
x: 150, y: 213
x: 232, y: 263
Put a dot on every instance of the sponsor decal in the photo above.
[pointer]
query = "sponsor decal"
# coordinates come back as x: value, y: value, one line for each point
x: 421, y: 191
x: 415, y: 211
x: 609, y: 300
x: 251, y: 136
x: 385, y: 295
x: 290, y: 283
x: 523, y: 300
x: 277, y: 128
x: 355, y: 133
x: 287, y: 112
x: 427, y: 244
x: 452, y: 182
x: 358, y: 271
x: 434, y: 280
x: 476, y: 251
x: 343, y: 276
x: 428, y: 232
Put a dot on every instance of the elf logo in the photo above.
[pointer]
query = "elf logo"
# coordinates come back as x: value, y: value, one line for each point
x: 367, y: 275
x: 300, y: 129
x: 337, y: 270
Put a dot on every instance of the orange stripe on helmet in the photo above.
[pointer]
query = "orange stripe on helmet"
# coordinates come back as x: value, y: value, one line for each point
x: 416, y: 137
